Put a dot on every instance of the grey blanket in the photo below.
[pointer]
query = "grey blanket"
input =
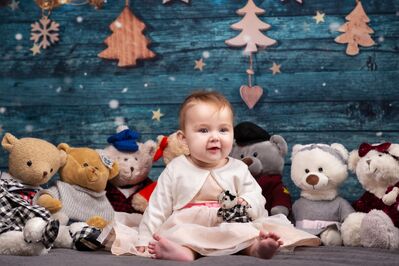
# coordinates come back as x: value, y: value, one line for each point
x: 301, y: 256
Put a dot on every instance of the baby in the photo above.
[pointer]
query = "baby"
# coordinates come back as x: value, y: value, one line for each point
x: 181, y: 220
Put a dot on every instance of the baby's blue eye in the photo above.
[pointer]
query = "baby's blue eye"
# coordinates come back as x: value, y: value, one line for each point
x: 203, y: 130
x: 224, y: 130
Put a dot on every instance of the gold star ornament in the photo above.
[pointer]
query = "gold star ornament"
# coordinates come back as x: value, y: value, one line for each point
x: 156, y: 115
x: 199, y: 64
x: 275, y: 68
x: 35, y: 49
x: 319, y: 17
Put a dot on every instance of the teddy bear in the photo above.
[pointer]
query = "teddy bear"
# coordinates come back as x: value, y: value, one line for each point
x: 264, y: 155
x: 376, y: 221
x: 135, y: 162
x: 318, y: 170
x: 26, y: 228
x: 83, y: 179
x: 168, y: 147
x: 231, y: 211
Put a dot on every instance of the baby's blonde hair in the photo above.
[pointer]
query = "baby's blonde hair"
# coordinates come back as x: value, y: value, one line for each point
x: 211, y: 97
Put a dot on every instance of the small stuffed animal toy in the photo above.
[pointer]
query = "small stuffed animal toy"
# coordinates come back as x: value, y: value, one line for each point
x: 376, y: 222
x: 135, y: 162
x: 318, y: 170
x: 230, y: 211
x: 25, y: 228
x: 264, y: 155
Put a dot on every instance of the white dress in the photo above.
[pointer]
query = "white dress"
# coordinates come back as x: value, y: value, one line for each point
x: 199, y: 228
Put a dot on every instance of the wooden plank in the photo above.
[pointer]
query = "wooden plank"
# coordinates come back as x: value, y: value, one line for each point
x: 153, y: 9
x: 146, y: 89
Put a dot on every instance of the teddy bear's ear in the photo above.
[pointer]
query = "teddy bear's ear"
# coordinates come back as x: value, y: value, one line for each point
x: 64, y: 147
x: 353, y: 160
x: 341, y: 149
x: 281, y: 144
x: 63, y: 158
x: 149, y: 147
x: 296, y: 148
x: 8, y: 142
x: 394, y: 150
x: 114, y: 171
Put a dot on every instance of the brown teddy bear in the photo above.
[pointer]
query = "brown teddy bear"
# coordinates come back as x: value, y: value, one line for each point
x: 27, y: 229
x: 83, y: 179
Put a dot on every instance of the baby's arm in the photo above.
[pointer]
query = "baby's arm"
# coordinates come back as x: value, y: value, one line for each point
x: 249, y: 190
x: 159, y: 208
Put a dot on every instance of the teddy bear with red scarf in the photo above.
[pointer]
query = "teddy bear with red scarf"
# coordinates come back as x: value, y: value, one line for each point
x: 376, y: 222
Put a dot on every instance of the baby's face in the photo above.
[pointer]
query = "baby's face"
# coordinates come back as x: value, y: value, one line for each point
x: 208, y: 132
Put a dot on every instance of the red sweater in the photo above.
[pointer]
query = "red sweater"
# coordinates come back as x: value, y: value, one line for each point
x: 274, y: 191
x: 369, y: 201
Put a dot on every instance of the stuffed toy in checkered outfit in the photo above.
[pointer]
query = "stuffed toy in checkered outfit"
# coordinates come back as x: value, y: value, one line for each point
x: 135, y: 162
x: 25, y: 228
x: 231, y: 211
x: 376, y: 220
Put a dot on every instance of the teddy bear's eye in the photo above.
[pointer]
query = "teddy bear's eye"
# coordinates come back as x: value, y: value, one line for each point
x: 29, y: 163
x: 255, y: 154
x: 85, y: 165
x: 242, y: 156
x: 96, y: 168
x: 320, y: 169
x: 136, y: 159
x: 51, y: 170
x: 126, y: 159
x: 380, y: 155
x: 307, y: 171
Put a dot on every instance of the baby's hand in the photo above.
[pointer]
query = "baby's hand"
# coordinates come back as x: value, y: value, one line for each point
x: 141, y: 249
x: 242, y: 201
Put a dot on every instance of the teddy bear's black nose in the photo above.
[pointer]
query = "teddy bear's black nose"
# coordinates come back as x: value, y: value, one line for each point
x: 132, y: 169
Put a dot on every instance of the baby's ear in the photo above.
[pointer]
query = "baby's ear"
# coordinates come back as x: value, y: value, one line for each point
x: 181, y: 137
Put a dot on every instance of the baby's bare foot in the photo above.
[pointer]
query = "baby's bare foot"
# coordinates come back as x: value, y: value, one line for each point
x: 165, y: 249
x: 266, y: 245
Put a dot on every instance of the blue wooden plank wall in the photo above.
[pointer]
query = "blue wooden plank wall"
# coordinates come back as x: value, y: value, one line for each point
x: 68, y: 94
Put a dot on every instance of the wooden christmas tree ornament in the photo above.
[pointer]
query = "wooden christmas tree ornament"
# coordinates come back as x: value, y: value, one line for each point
x: 252, y: 37
x: 356, y: 31
x: 127, y: 43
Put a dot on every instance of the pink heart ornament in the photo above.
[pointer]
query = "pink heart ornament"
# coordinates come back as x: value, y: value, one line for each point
x: 251, y: 95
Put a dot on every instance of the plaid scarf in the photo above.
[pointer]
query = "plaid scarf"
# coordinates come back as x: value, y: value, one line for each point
x: 237, y: 214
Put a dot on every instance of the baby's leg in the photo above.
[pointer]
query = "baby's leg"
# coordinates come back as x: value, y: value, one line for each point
x: 265, y: 246
x: 163, y: 248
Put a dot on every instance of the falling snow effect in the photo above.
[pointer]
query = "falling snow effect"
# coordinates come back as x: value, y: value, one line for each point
x: 124, y: 90
x: 119, y: 120
x: 113, y: 104
x: 79, y: 19
x: 28, y: 128
x: 18, y: 36
x: 378, y: 134
x: 3, y: 110
x: 205, y: 54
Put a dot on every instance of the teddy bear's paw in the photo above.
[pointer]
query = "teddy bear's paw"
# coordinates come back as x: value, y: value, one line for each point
x: 33, y: 230
x: 64, y: 238
x: 331, y: 237
x: 97, y: 222
x: 378, y: 231
x: 390, y: 198
x: 350, y: 229
x: 50, y: 203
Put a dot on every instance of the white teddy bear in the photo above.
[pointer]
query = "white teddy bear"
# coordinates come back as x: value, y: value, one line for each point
x: 318, y: 170
x: 376, y: 222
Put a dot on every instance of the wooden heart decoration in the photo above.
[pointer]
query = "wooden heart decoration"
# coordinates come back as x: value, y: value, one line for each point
x: 250, y: 95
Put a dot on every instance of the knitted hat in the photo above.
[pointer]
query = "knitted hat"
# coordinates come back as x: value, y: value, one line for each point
x: 247, y: 133
x: 125, y: 140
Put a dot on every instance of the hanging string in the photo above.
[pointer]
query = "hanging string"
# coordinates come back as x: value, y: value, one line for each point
x: 250, y: 71
x: 127, y: 3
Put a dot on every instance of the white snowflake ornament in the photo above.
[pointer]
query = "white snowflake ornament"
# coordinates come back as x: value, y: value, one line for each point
x: 45, y: 32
